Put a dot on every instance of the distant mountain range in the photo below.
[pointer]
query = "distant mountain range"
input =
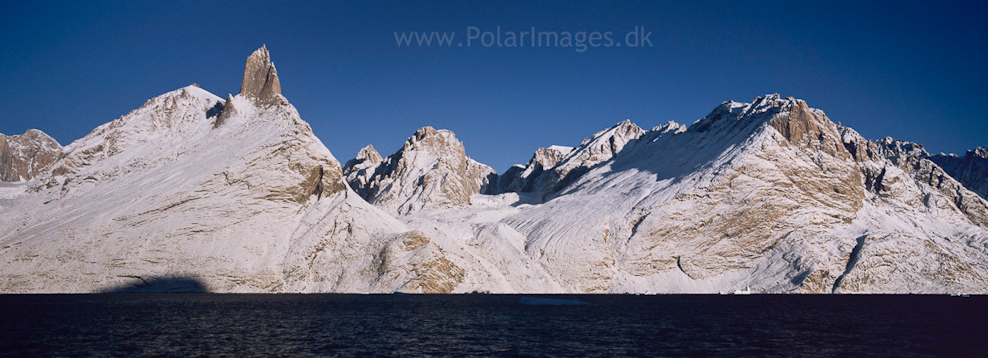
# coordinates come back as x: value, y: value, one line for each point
x: 239, y: 195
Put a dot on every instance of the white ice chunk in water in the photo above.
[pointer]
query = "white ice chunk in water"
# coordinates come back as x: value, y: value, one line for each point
x: 539, y: 301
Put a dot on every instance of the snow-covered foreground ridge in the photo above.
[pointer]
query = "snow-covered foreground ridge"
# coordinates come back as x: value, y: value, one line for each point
x: 238, y: 195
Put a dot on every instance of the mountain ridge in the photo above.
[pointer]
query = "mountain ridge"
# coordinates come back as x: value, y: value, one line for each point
x: 239, y: 194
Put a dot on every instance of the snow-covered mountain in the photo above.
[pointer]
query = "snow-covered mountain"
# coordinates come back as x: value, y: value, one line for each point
x: 256, y: 204
x: 971, y: 169
x: 770, y: 195
x: 430, y: 171
x: 764, y: 195
x: 552, y: 169
x: 238, y: 194
x: 530, y: 178
x: 25, y: 156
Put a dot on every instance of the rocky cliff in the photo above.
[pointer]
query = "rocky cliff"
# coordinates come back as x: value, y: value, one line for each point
x: 971, y: 169
x: 530, y: 178
x: 26, y: 156
x: 260, y: 78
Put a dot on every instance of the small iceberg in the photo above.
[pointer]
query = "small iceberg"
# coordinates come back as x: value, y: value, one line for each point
x: 538, y: 301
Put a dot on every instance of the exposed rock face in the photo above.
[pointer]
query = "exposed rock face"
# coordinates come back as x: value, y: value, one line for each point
x: 913, y: 159
x: 228, y: 110
x: 526, y: 178
x: 510, y: 178
x: 260, y: 78
x: 430, y: 171
x: 971, y: 169
x: 422, y: 263
x: 369, y: 155
x: 27, y: 156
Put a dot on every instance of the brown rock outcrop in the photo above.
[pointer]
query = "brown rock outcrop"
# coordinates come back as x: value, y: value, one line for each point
x: 260, y: 77
x: 25, y: 156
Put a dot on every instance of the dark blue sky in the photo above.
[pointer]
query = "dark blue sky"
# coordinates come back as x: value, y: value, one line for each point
x: 911, y: 71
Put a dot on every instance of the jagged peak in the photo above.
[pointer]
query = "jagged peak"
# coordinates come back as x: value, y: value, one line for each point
x: 623, y: 129
x: 980, y: 152
x: 602, y: 146
x: 670, y: 126
x: 26, y: 156
x: 795, y: 120
x: 360, y: 169
x: 369, y: 155
x: 261, y: 54
x: 729, y: 111
x: 229, y: 110
x: 770, y: 97
x: 549, y: 157
x: 434, y: 141
x: 772, y: 103
x: 890, y: 147
x: 761, y: 104
x: 428, y: 131
x: 31, y: 134
x: 791, y: 116
x: 431, y: 170
x: 260, y: 80
x: 560, y: 148
x: 790, y: 120
x: 424, y: 131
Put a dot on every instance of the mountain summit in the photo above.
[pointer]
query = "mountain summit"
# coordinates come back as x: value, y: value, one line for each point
x: 25, y: 156
x: 258, y: 204
x: 430, y: 171
x: 240, y: 195
x: 260, y: 77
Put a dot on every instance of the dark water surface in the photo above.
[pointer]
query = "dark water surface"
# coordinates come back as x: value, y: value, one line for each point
x: 212, y: 325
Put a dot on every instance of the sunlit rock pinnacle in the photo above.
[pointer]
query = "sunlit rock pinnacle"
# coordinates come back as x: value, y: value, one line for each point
x: 260, y: 77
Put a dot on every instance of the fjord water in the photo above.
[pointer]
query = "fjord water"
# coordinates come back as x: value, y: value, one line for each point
x: 257, y: 325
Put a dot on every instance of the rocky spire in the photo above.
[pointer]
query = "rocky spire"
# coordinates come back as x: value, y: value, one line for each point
x: 369, y: 154
x: 260, y: 77
x: 228, y: 111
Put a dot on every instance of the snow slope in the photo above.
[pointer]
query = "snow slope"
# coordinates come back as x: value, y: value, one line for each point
x: 764, y: 195
x: 257, y: 204
x: 238, y: 195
